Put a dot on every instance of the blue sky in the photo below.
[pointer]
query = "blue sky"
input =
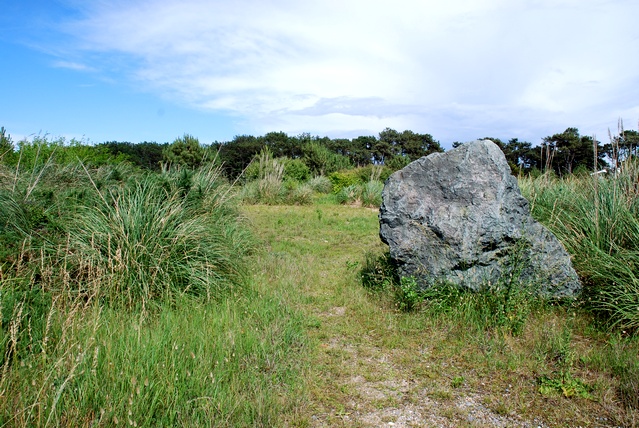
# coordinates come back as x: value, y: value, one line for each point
x: 152, y: 70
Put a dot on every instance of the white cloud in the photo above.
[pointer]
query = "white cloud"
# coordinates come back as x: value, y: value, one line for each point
x: 478, y: 67
x: 72, y: 66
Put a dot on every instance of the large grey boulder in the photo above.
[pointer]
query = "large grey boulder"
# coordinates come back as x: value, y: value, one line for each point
x: 460, y: 217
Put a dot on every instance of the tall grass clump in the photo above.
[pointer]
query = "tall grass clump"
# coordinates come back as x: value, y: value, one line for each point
x: 152, y: 240
x: 371, y: 195
x: 265, y: 182
x: 597, y: 219
x: 367, y: 194
x: 320, y: 184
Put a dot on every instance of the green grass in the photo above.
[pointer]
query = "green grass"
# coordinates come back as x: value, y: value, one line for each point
x: 597, y: 220
x: 366, y: 350
x: 214, y: 364
x: 131, y: 302
x: 155, y: 306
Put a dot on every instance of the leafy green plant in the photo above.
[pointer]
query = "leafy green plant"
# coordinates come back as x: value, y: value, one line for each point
x: 378, y: 271
x: 407, y: 294
x: 565, y: 384
x: 344, y: 178
x: 321, y: 160
x: 349, y: 194
x: 185, y: 151
x: 300, y: 195
x: 457, y: 381
x: 296, y: 170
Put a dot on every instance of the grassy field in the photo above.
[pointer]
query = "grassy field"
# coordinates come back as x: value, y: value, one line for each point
x: 131, y: 302
x: 369, y: 364
x: 154, y: 299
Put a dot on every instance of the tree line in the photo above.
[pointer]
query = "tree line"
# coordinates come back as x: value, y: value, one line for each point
x: 564, y: 152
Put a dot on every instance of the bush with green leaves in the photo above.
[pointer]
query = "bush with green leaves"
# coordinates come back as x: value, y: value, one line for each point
x: 407, y: 293
x: 301, y: 194
x: 349, y: 194
x: 296, y: 170
x: 6, y: 147
x: 374, y: 173
x: 345, y: 178
x: 321, y: 160
x: 368, y: 194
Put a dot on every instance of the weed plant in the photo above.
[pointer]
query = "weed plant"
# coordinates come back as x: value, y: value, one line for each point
x: 349, y: 194
x: 371, y: 195
x: 266, y: 183
x: 193, y: 364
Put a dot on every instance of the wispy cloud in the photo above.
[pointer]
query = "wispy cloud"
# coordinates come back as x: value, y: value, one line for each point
x: 72, y: 66
x: 461, y: 66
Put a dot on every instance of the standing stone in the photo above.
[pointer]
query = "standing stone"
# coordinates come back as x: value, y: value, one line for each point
x: 460, y: 217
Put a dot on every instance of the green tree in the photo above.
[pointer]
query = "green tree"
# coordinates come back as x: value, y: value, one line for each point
x: 406, y: 144
x: 416, y: 145
x: 384, y: 148
x: 281, y: 145
x: 6, y: 147
x: 147, y: 155
x: 622, y: 146
x: 237, y: 154
x: 321, y: 161
x: 361, y: 150
x: 185, y: 151
x: 521, y: 156
x: 568, y: 151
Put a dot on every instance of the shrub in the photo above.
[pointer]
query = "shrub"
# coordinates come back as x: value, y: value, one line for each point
x: 300, y: 195
x: 185, y: 151
x: 321, y: 160
x: 296, y: 170
x: 344, y: 178
x: 374, y: 173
